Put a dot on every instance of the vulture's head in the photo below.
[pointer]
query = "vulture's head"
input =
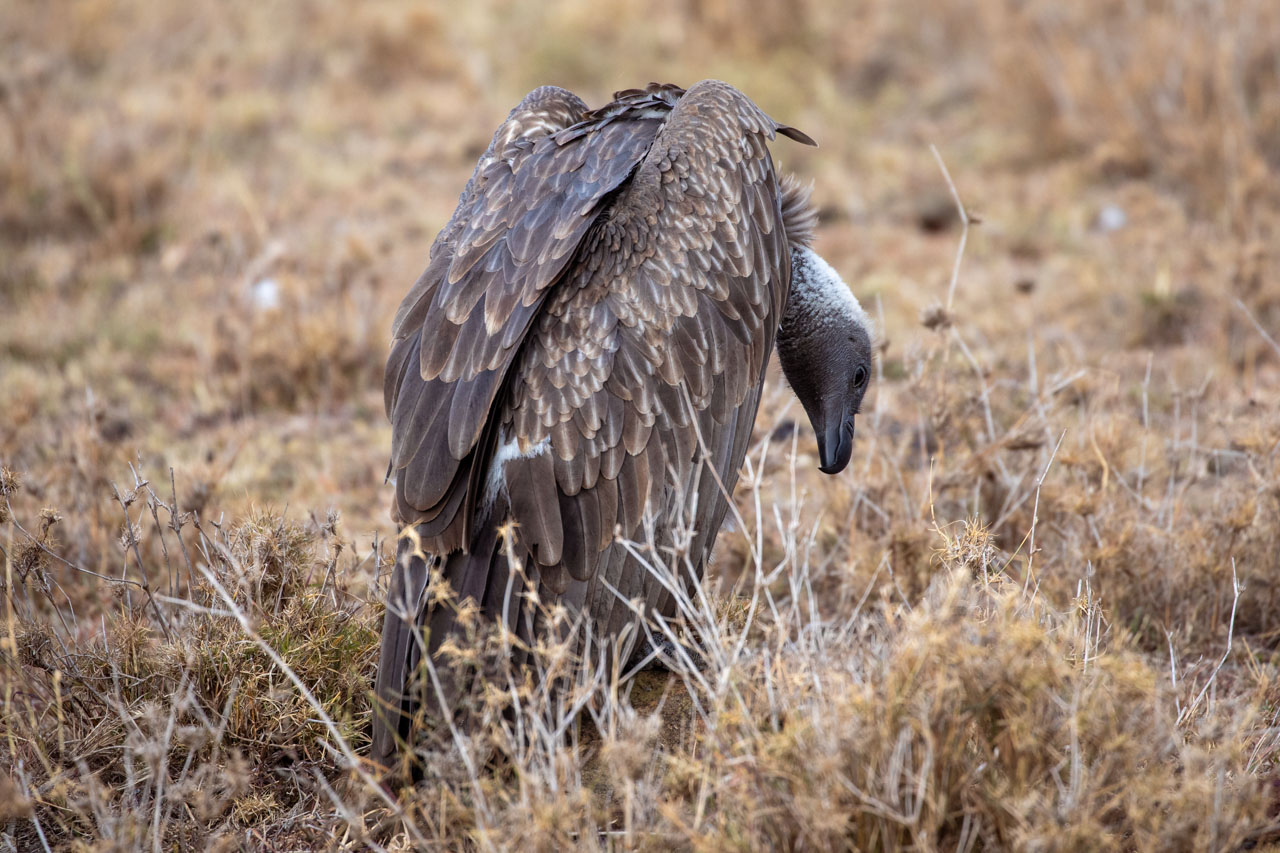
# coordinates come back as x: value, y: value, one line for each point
x: 824, y: 344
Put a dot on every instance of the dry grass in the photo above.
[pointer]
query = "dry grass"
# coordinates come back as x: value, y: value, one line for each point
x: 1038, y: 611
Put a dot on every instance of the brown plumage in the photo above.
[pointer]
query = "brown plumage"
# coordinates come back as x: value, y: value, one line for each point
x: 592, y: 328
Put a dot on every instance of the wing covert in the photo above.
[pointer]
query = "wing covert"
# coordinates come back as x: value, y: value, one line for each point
x: 519, y: 221
x: 648, y: 361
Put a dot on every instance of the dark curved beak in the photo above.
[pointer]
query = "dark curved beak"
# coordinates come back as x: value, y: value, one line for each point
x: 835, y: 444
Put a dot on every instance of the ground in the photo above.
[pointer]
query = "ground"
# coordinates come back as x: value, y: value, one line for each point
x: 1038, y: 611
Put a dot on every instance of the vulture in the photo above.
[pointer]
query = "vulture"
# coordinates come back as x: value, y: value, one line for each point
x: 590, y: 335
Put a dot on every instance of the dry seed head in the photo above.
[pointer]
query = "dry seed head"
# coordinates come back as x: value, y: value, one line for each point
x: 48, y: 518
x: 35, y: 646
x: 130, y: 497
x: 130, y: 535
x: 10, y: 482
x: 31, y: 558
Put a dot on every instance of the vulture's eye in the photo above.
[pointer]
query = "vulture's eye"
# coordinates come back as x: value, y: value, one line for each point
x: 859, y: 377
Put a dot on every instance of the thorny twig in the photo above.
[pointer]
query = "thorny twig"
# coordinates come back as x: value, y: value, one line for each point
x: 130, y: 540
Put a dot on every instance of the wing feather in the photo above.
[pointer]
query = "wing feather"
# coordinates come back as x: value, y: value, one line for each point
x: 518, y: 223
x: 691, y: 268
x: 536, y: 508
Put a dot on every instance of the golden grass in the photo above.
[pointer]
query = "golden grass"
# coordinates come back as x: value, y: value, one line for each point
x: 1037, y: 612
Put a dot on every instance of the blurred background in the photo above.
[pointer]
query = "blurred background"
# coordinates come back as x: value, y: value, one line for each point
x: 209, y: 212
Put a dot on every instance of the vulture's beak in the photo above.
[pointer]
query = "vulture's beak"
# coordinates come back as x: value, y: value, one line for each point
x: 835, y: 442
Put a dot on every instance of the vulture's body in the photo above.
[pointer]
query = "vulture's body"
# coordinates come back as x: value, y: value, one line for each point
x: 590, y: 335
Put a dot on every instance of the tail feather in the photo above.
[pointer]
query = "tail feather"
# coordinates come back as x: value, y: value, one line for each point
x: 405, y: 602
x: 412, y: 625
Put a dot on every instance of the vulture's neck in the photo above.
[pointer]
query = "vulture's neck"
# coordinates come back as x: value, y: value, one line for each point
x: 820, y: 301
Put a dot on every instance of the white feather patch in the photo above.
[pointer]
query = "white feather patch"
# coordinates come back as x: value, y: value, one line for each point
x: 504, y: 453
x: 822, y: 292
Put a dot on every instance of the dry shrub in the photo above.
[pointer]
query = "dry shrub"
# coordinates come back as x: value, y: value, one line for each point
x: 978, y: 724
x: 974, y: 715
x: 171, y: 722
x: 822, y: 710
x: 980, y: 718
x: 270, y: 550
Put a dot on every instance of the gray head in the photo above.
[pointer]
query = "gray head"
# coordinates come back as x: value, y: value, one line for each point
x: 824, y: 344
